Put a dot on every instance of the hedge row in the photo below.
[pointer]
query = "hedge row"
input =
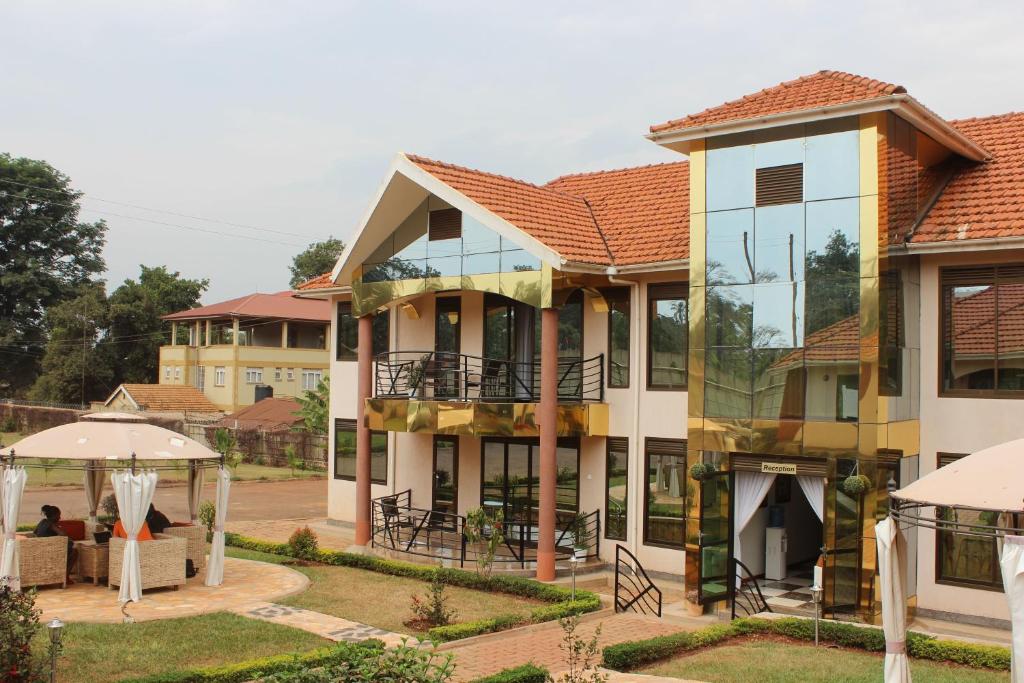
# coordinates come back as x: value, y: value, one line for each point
x: 527, y: 673
x: 639, y: 653
x: 562, y: 604
x: 257, y: 668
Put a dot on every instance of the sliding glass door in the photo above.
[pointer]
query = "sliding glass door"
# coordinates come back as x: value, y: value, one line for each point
x: 510, y: 479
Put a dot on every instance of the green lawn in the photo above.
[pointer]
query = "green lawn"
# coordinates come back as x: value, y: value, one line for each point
x: 68, y: 474
x: 381, y: 600
x: 768, y: 661
x: 111, y: 652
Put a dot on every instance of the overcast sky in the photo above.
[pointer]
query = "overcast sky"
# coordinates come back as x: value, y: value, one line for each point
x: 285, y: 115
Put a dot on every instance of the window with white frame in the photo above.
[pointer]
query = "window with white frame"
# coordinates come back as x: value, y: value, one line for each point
x: 220, y: 376
x: 291, y: 374
x: 200, y: 377
x: 167, y: 372
x: 311, y: 378
x: 277, y: 374
x: 253, y: 375
x: 177, y: 373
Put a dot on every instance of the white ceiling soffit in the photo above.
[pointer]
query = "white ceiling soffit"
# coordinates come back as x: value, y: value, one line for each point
x: 904, y: 106
x: 405, y: 187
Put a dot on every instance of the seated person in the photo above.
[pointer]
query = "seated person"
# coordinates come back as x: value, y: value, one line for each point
x: 48, y: 526
x: 144, y: 532
x: 156, y: 520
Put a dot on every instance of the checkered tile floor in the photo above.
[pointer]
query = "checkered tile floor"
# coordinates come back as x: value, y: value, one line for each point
x: 792, y: 594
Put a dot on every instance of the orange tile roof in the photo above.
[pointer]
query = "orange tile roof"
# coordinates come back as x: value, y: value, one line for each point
x: 822, y: 89
x: 558, y: 220
x: 322, y: 281
x: 282, y: 305
x: 168, y: 398
x: 983, y: 200
x: 269, y: 415
x: 643, y: 212
x: 977, y: 329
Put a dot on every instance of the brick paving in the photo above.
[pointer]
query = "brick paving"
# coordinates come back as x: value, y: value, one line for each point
x: 245, y: 583
x: 485, y: 655
x: 331, y: 536
x: 325, y: 625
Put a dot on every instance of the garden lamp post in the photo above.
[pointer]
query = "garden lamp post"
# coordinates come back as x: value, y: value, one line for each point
x: 573, y: 563
x: 56, y: 629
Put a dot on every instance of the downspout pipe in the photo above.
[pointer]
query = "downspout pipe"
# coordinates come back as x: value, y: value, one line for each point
x: 633, y: 539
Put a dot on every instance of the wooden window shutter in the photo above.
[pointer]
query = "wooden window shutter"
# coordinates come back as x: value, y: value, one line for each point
x: 445, y: 224
x: 780, y: 185
x: 656, y: 446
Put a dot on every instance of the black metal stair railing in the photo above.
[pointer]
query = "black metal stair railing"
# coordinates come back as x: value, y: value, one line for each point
x: 448, y: 376
x: 746, y: 594
x: 634, y: 590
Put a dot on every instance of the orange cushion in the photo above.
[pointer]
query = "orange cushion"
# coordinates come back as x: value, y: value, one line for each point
x: 74, y: 528
x: 144, y: 533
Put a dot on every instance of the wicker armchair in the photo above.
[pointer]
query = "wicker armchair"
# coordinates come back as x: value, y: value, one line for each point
x: 196, y: 538
x: 44, y: 561
x: 162, y: 560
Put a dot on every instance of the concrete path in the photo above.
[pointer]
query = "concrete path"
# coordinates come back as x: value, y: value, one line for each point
x: 488, y: 654
x: 324, y: 625
x: 250, y: 500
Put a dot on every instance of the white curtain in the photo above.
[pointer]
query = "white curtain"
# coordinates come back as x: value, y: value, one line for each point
x: 215, y: 567
x: 13, y: 486
x: 814, y: 491
x: 134, y: 493
x: 1011, y: 561
x: 751, y: 488
x: 892, y: 559
x: 95, y: 473
x: 195, y: 488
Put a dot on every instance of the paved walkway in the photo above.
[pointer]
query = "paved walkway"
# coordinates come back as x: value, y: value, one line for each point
x: 324, y: 625
x: 331, y: 536
x: 245, y: 583
x: 488, y: 654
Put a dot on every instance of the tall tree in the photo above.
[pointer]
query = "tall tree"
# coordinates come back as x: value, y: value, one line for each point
x: 317, y: 259
x: 74, y: 368
x: 135, y: 331
x: 46, y: 255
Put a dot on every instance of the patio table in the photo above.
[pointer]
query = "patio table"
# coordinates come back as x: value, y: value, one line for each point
x: 93, y: 560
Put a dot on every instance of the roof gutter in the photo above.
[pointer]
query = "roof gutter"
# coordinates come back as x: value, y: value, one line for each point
x: 903, y: 105
x: 964, y: 245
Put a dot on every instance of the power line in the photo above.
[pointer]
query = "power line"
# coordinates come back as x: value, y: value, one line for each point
x: 171, y: 213
x: 166, y: 224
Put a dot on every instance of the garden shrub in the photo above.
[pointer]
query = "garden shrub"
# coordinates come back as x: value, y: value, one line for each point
x: 19, y: 623
x: 405, y: 663
x: 639, y: 653
x: 526, y: 673
x: 560, y: 597
x: 433, y: 610
x: 8, y: 424
x: 208, y: 517
x: 303, y: 544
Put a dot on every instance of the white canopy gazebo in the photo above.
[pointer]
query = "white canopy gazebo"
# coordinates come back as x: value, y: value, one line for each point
x: 114, y: 440
x: 990, y: 480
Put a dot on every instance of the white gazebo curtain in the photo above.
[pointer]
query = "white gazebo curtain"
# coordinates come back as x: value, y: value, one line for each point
x: 1011, y: 561
x: 751, y: 488
x: 215, y: 567
x: 134, y: 493
x: 13, y: 486
x: 95, y: 473
x: 814, y: 492
x: 892, y: 560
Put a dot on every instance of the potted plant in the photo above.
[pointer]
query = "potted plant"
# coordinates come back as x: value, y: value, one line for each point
x: 855, y: 485
x: 581, y: 537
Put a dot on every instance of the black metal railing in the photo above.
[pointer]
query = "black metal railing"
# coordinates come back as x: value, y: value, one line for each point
x: 460, y: 377
x: 397, y: 525
x: 634, y: 590
x: 746, y: 593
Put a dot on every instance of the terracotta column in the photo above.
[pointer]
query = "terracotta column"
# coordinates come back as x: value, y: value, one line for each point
x: 547, y: 416
x: 363, y: 392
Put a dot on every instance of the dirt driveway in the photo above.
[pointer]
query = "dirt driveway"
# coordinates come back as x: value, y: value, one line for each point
x: 250, y: 500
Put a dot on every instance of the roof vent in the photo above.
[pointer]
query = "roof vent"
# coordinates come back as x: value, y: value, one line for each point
x: 780, y: 185
x: 444, y: 224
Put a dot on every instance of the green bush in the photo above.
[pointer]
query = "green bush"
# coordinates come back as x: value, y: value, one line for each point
x: 526, y: 673
x: 8, y: 424
x: 303, y: 544
x: 560, y: 598
x: 258, y: 668
x: 639, y: 653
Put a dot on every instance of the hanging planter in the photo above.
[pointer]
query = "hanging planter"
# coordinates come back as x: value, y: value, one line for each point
x: 855, y: 485
x: 702, y: 470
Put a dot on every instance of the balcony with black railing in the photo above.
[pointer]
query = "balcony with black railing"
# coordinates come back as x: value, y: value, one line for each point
x: 444, y: 376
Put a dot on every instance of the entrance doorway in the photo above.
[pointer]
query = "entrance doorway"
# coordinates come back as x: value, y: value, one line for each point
x: 445, y: 492
x: 779, y: 535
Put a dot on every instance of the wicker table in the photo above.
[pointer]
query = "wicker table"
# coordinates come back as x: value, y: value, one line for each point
x: 93, y: 560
